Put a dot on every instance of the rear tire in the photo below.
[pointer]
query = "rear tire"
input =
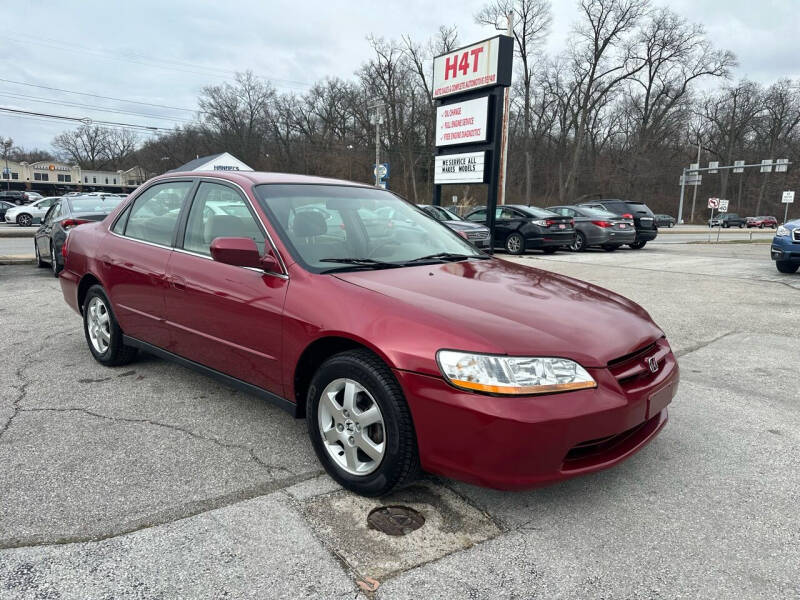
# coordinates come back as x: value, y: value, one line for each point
x: 102, y: 332
x: 579, y: 245
x: 515, y: 244
x: 330, y: 419
x: 638, y: 245
x: 784, y: 266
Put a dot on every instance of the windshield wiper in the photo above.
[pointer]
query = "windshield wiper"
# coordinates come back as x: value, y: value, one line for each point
x: 370, y: 263
x: 448, y: 256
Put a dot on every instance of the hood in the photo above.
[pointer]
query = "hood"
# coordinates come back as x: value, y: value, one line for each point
x: 518, y: 310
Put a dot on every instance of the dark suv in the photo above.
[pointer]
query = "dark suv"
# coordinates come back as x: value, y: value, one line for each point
x: 14, y: 196
x: 642, y: 216
x: 727, y: 220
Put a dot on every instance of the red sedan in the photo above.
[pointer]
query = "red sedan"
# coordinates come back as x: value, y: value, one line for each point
x: 405, y: 347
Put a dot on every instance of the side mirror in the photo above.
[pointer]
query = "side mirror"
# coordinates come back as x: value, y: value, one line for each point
x: 236, y: 251
x: 269, y: 262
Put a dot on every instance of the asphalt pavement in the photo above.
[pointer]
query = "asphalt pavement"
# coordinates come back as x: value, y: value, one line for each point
x: 151, y: 481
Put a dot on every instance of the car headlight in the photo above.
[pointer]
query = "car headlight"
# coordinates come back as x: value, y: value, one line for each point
x: 782, y: 231
x: 513, y: 375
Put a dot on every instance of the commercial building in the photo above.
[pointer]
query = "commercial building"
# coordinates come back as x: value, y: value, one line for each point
x: 224, y: 161
x: 52, y: 178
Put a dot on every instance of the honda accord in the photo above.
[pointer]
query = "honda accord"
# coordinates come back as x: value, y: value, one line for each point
x: 406, y: 348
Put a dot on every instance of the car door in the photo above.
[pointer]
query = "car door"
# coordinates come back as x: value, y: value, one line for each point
x: 225, y: 317
x: 134, y: 259
x: 42, y: 236
x: 506, y: 221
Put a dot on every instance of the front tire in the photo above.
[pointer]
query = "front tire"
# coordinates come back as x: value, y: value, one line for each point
x: 784, y: 266
x: 102, y: 331
x: 24, y: 220
x: 360, y: 424
x: 515, y: 244
x: 638, y: 244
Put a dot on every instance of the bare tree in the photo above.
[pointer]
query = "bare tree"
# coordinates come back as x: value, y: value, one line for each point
x: 86, y: 146
x: 531, y: 22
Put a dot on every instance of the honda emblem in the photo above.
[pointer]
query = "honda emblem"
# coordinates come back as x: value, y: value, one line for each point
x: 653, y: 364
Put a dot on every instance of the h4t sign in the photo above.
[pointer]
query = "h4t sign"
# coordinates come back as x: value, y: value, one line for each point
x: 473, y: 67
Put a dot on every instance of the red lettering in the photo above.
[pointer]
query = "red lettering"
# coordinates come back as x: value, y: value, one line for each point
x: 475, y: 52
x: 450, y: 67
x: 463, y: 65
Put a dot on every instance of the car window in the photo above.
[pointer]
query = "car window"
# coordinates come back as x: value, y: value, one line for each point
x: 360, y: 225
x: 119, y: 226
x: 48, y: 218
x: 478, y: 216
x: 219, y: 211
x: 154, y: 216
x: 506, y: 214
x: 98, y: 204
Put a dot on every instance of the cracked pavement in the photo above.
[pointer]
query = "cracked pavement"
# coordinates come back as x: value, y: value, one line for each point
x: 151, y: 481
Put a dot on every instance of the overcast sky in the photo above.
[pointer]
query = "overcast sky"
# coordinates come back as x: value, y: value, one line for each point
x: 164, y: 52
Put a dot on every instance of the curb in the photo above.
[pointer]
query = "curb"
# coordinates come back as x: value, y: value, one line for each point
x: 18, y: 259
x: 18, y: 233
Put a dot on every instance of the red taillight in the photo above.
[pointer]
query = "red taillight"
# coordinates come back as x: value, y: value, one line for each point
x: 627, y: 216
x: 68, y: 223
x: 602, y: 223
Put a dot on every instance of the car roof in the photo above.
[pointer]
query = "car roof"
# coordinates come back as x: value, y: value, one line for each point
x: 261, y: 177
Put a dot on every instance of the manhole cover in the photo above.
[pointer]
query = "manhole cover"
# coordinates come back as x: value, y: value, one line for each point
x: 395, y: 520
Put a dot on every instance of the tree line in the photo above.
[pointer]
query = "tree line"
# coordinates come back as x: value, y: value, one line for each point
x: 618, y: 113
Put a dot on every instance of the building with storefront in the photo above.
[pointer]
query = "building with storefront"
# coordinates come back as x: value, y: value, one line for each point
x: 53, y: 178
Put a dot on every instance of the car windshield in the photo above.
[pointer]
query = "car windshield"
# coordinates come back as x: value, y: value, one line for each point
x: 100, y: 204
x: 331, y: 227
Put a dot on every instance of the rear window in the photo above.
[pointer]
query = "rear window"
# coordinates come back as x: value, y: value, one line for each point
x: 539, y: 213
x: 97, y: 204
x: 597, y: 213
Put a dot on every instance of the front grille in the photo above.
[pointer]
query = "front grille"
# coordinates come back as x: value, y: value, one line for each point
x: 633, y: 370
x: 796, y: 234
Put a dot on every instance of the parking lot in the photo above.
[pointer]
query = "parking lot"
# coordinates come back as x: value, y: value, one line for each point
x: 150, y: 481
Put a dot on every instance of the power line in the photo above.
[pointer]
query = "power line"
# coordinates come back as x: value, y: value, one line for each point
x: 149, y: 62
x: 98, y: 108
x: 54, y: 89
x: 83, y: 120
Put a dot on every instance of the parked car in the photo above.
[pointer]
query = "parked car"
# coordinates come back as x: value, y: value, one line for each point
x: 761, y: 222
x: 726, y: 220
x: 643, y: 218
x: 4, y: 206
x: 66, y: 213
x: 34, y: 195
x: 520, y: 228
x: 785, y: 250
x: 665, y: 221
x: 474, y: 232
x: 15, y: 197
x: 382, y: 344
x: 595, y: 227
x: 30, y: 214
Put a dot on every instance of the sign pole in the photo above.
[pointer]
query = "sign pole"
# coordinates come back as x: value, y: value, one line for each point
x: 680, y: 204
x: 785, y: 212
x: 501, y: 191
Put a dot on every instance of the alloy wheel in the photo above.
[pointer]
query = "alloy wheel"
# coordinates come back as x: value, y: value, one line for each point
x: 351, y: 425
x: 24, y: 220
x: 514, y: 244
x: 99, y: 324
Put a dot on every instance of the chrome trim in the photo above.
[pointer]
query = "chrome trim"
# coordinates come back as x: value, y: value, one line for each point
x: 284, y: 275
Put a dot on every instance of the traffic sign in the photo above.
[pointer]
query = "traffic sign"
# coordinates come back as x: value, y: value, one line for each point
x: 723, y: 206
x: 787, y: 198
x: 738, y: 166
x: 713, y: 203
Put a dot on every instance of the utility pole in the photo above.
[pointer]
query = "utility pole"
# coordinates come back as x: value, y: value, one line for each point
x: 501, y: 184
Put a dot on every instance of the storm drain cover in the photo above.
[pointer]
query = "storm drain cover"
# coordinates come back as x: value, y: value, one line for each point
x: 395, y: 520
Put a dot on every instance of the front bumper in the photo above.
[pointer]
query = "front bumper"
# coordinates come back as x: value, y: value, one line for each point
x: 523, y: 442
x: 784, y: 248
